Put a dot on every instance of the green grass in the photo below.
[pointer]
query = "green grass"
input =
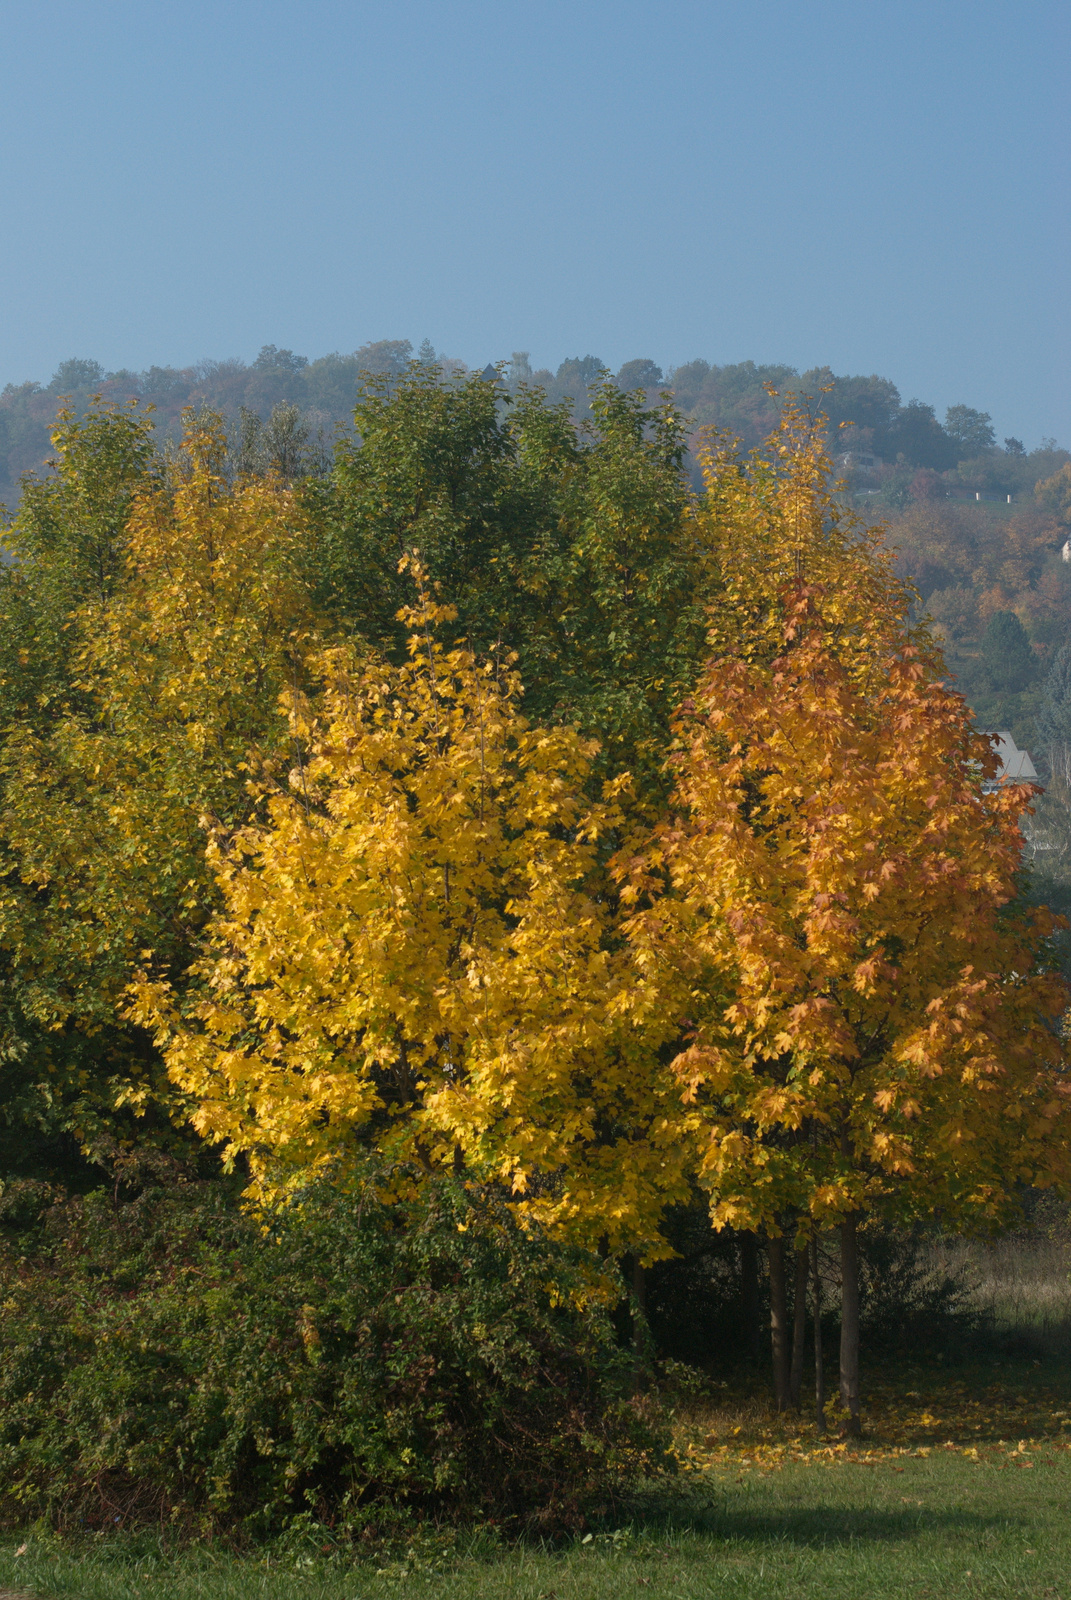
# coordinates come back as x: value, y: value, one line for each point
x: 935, y: 1525
x: 962, y: 1487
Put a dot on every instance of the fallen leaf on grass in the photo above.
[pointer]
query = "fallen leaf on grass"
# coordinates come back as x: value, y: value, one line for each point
x: 956, y: 1416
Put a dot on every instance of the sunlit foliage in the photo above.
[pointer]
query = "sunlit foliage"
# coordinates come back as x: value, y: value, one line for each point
x: 185, y: 618
x: 415, y: 953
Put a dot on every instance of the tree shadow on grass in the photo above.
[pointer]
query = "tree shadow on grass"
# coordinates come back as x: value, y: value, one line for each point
x: 715, y: 1516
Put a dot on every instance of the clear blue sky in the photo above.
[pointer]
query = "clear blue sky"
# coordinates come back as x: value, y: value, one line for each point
x: 884, y: 187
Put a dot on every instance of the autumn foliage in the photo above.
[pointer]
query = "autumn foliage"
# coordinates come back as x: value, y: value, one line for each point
x: 412, y: 956
x: 868, y: 1026
x: 867, y: 1021
x: 192, y: 616
x: 298, y: 898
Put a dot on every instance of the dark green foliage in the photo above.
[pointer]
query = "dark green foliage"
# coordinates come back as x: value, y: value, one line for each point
x: 736, y: 399
x: 702, y: 1309
x: 964, y: 556
x: 1010, y: 663
x: 430, y: 471
x: 732, y: 397
x: 285, y: 444
x: 1054, y: 722
x: 75, y: 376
x: 867, y: 405
x: 565, y: 547
x: 641, y: 374
x: 970, y: 431
x: 916, y: 434
x: 69, y: 547
x: 696, y: 1307
x: 573, y: 382
x: 166, y: 1358
x: 69, y: 540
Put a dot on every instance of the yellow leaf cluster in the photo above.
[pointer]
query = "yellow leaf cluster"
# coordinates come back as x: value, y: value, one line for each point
x: 774, y: 521
x: 413, y: 955
x: 177, y: 674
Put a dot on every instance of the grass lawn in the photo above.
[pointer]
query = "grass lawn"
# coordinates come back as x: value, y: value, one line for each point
x: 961, y: 1487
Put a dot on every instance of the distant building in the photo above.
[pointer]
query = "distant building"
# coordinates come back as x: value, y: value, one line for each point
x: 866, y: 461
x: 1015, y: 764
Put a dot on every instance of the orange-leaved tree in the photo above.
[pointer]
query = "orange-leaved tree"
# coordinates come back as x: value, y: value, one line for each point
x: 872, y: 1028
x: 410, y: 957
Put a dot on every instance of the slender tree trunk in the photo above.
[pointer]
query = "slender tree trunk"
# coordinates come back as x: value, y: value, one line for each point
x: 639, y: 1329
x: 819, y: 1370
x: 849, y: 1324
x: 775, y: 1250
x: 749, y: 1294
x: 799, y: 1329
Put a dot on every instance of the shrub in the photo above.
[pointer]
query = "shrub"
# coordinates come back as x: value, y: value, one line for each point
x: 166, y: 1357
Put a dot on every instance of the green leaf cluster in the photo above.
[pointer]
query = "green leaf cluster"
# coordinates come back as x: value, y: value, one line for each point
x: 566, y: 545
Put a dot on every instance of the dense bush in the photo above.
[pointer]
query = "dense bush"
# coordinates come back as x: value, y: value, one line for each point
x: 164, y: 1357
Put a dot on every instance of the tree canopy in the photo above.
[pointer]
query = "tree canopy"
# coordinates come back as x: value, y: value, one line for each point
x: 491, y: 802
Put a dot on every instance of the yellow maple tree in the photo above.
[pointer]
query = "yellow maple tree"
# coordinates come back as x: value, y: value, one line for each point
x: 866, y: 1025
x: 177, y: 669
x: 411, y: 957
x: 774, y: 519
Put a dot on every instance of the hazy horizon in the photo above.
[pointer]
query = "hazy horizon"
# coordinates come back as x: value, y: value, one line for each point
x: 217, y: 362
x: 883, y: 191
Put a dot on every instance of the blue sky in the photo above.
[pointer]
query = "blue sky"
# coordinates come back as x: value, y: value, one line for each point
x: 881, y: 187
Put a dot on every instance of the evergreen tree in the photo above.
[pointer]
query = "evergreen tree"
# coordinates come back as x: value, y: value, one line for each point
x: 1010, y: 663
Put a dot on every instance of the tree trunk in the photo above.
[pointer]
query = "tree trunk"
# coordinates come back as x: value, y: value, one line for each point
x: 819, y: 1370
x: 775, y: 1250
x: 849, y: 1324
x: 799, y: 1329
x: 639, y: 1327
x: 749, y: 1294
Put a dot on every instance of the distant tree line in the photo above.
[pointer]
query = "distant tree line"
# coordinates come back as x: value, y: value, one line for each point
x: 993, y: 579
x: 287, y: 408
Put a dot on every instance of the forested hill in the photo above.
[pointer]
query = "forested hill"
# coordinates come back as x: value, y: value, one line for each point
x: 979, y: 524
x: 887, y: 445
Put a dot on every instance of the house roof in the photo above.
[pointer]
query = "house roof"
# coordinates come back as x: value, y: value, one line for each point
x: 1015, y: 764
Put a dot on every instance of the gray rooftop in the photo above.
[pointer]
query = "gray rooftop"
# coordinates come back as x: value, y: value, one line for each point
x: 1015, y: 764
